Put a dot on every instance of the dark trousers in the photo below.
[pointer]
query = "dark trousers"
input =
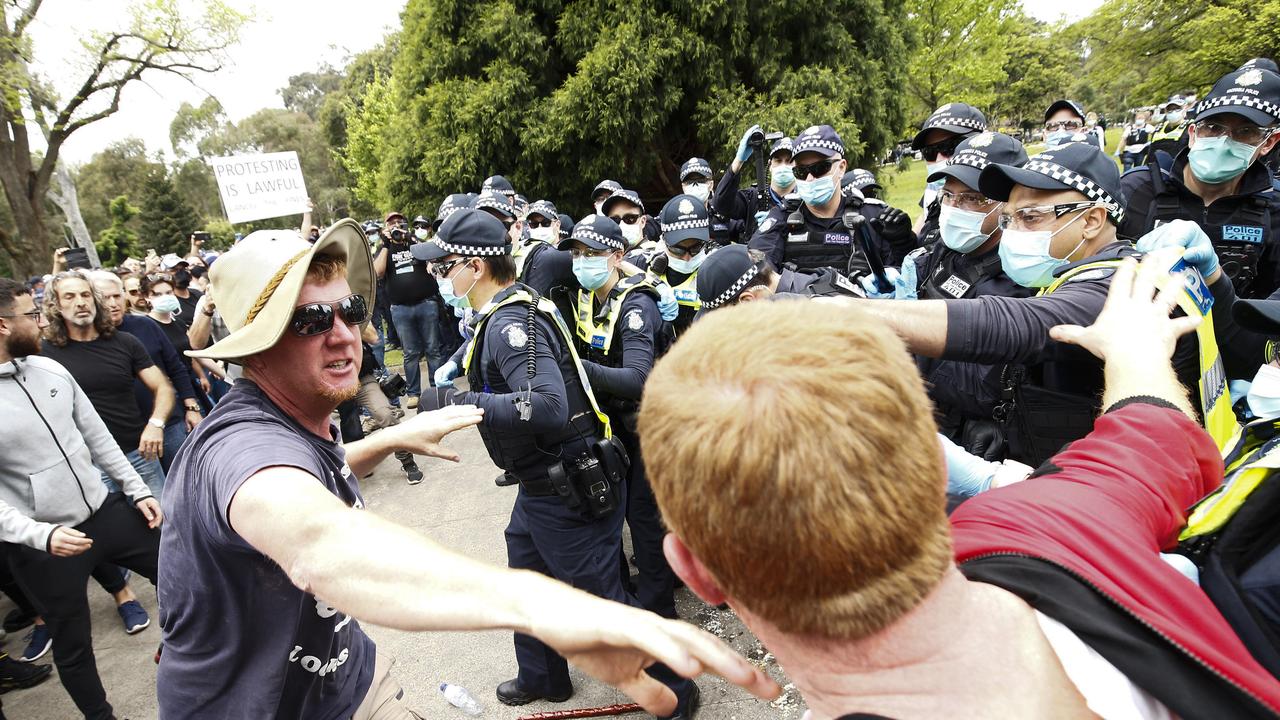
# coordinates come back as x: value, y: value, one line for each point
x: 56, y: 586
x: 548, y: 537
x: 655, y: 586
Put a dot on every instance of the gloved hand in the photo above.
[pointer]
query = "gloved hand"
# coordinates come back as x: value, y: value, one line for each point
x: 892, y: 223
x: 667, y: 304
x: 744, y: 150
x: 760, y: 216
x: 446, y: 373
x: 985, y: 439
x: 967, y: 475
x: 904, y: 283
x: 1198, y: 250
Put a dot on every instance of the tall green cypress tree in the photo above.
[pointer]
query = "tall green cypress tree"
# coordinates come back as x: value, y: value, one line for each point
x: 167, y: 220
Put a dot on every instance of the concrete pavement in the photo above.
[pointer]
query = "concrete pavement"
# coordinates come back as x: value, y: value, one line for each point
x: 459, y: 507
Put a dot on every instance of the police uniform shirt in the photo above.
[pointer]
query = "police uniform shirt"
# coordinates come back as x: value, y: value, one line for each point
x: 790, y: 281
x: 1219, y: 221
x: 952, y: 273
x: 545, y: 268
x: 634, y: 336
x: 771, y: 237
x: 740, y: 205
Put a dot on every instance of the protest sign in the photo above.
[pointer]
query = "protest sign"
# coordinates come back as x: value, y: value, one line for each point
x: 260, y: 186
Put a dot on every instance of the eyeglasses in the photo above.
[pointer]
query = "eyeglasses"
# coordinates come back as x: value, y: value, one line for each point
x: 579, y: 253
x: 966, y: 200
x: 629, y: 218
x: 1029, y: 218
x: 1247, y: 134
x: 534, y: 224
x: 134, y: 292
x: 686, y: 250
x: 317, y: 318
x: 33, y: 315
x: 818, y: 169
x: 1063, y: 125
x: 946, y: 147
x: 442, y: 270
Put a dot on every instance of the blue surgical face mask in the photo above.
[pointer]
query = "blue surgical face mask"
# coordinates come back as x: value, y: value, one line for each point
x: 447, y: 293
x: 816, y: 193
x: 1025, y: 257
x: 1057, y: 137
x: 687, y: 266
x: 935, y: 186
x: 1264, y: 393
x: 592, y: 272
x: 166, y: 304
x: 962, y: 229
x: 1173, y: 117
x: 783, y: 176
x: 1219, y: 159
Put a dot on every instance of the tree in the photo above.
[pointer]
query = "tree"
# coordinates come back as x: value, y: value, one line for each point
x: 1040, y: 66
x: 167, y: 220
x: 120, y: 168
x: 193, y: 123
x: 307, y: 91
x: 119, y: 241
x: 962, y: 47
x: 161, y: 36
x: 560, y: 95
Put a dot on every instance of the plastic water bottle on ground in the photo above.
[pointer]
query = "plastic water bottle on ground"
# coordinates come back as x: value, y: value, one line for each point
x: 461, y: 699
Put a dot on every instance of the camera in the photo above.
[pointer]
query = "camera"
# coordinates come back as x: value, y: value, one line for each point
x: 201, y: 237
x: 398, y: 234
x: 393, y: 385
x: 77, y: 258
x: 756, y: 139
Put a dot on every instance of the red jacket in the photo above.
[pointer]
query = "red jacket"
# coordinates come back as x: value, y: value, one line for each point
x: 1096, y: 516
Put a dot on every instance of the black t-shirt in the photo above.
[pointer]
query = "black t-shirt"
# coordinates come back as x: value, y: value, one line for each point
x: 177, y: 335
x: 105, y: 368
x: 240, y: 639
x: 408, y: 282
x: 188, y: 305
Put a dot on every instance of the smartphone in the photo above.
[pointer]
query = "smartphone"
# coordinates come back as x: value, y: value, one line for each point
x: 77, y: 258
x: 201, y: 237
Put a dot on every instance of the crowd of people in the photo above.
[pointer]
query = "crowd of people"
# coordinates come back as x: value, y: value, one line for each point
x: 984, y: 464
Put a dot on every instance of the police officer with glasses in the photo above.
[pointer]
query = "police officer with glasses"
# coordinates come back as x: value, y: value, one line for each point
x: 685, y: 240
x: 936, y: 142
x: 1064, y: 122
x: 1220, y: 182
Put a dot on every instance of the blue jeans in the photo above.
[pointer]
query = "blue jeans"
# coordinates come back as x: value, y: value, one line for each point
x: 150, y: 470
x: 174, y: 434
x: 419, y: 329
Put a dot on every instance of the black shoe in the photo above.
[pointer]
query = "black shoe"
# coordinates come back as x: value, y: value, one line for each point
x: 413, y: 474
x: 509, y: 693
x: 15, y: 675
x: 16, y: 620
x: 505, y: 480
x: 687, y: 705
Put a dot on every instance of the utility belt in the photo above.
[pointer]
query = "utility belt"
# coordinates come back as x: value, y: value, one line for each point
x: 591, y: 484
x: 1038, y: 421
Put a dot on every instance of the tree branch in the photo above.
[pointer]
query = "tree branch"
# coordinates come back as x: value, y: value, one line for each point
x: 28, y: 14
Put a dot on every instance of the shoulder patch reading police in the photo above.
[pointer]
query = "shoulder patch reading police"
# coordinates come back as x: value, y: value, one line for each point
x: 634, y: 320
x: 515, y: 335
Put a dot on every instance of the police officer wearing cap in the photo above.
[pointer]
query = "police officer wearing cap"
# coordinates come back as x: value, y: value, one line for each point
x: 540, y: 264
x: 1064, y: 122
x: 675, y: 262
x: 737, y: 274
x: 500, y: 185
x: 1220, y: 182
x: 619, y: 333
x: 415, y: 309
x: 626, y: 209
x: 601, y: 192
x: 813, y: 235
x: 697, y: 179
x: 936, y: 142
x: 543, y: 425
x: 743, y: 205
x: 864, y: 181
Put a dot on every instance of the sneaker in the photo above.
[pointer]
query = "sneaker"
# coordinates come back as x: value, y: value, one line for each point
x: 39, y: 640
x: 16, y: 675
x: 413, y: 473
x: 411, y: 402
x: 134, y: 617
x: 17, y: 620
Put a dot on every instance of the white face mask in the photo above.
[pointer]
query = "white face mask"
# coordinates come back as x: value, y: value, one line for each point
x: 631, y: 233
x: 701, y: 190
x: 1264, y: 393
x: 962, y: 229
x: 420, y: 233
x: 542, y: 233
x: 686, y: 266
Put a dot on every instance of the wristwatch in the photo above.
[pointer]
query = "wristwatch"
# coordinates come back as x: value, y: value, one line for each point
x: 153, y: 422
x: 192, y: 408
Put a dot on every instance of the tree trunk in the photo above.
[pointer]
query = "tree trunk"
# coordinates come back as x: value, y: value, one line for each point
x: 31, y: 253
x: 63, y: 194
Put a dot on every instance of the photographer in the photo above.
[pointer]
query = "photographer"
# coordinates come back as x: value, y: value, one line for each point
x: 413, y: 294
x: 743, y: 205
x: 375, y: 395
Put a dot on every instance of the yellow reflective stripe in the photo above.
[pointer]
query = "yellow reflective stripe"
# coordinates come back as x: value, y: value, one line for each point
x: 1215, y: 510
x: 547, y: 308
x: 686, y: 292
x: 586, y: 327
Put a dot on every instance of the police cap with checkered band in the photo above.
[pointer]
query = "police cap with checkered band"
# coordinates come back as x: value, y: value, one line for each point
x: 1253, y: 93
x: 957, y: 118
x: 598, y: 232
x: 622, y: 195
x: 978, y: 151
x: 821, y: 139
x: 695, y: 166
x: 684, y: 217
x: 724, y: 275
x: 1074, y: 166
x: 468, y: 232
x: 451, y: 205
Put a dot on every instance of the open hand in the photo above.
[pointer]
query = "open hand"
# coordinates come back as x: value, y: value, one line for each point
x: 422, y: 433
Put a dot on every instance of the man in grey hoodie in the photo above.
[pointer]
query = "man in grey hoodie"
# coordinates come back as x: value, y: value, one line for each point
x: 55, y: 511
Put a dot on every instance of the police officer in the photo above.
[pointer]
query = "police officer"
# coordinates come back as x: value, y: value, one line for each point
x: 421, y: 228
x: 697, y: 179
x: 542, y: 425
x: 936, y: 142
x: 602, y: 191
x: 1064, y: 122
x: 1133, y: 146
x: 743, y: 205
x: 1219, y: 182
x: 864, y: 181
x: 627, y: 210
x: 736, y: 274
x: 500, y: 185
x: 685, y: 238
x: 619, y: 333
x: 813, y: 235
x: 539, y: 263
x: 1170, y: 121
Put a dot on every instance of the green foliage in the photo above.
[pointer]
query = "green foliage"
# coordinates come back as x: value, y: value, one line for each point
x: 1037, y: 71
x: 119, y: 241
x: 167, y: 219
x: 559, y: 95
x: 121, y: 168
x: 191, y: 124
x: 962, y: 47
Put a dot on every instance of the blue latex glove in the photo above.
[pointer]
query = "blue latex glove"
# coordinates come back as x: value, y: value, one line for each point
x: 967, y: 475
x: 760, y: 216
x: 446, y: 373
x: 904, y: 283
x: 667, y: 304
x: 1198, y: 250
x: 744, y: 150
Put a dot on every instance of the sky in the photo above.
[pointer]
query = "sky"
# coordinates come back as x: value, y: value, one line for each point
x: 285, y: 38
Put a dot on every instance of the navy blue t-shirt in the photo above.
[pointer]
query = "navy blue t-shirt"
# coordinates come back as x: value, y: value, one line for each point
x: 240, y: 640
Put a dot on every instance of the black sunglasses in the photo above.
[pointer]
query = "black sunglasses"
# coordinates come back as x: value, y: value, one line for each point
x: 317, y: 318
x: 538, y: 223
x: 629, y: 218
x: 946, y: 147
x: 442, y: 269
x: 686, y: 251
x: 818, y: 169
